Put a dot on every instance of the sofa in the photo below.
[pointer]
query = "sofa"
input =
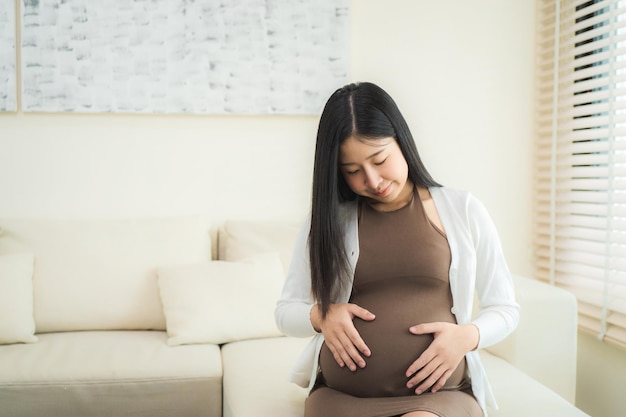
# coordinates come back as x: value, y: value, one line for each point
x: 174, y: 317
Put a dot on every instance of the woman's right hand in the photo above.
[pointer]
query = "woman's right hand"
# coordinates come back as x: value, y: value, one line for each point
x: 340, y: 335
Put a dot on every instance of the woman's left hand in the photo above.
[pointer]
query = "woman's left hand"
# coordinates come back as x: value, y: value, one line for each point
x: 435, y: 365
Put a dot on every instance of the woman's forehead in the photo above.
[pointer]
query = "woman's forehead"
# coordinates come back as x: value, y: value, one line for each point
x: 371, y: 141
x: 362, y: 147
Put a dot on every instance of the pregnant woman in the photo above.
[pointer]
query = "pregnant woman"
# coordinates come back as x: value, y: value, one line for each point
x: 384, y: 275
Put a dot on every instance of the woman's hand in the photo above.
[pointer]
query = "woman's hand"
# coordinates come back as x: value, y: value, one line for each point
x: 435, y: 365
x: 340, y: 335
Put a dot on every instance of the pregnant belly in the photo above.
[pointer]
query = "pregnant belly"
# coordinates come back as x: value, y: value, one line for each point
x: 393, y: 347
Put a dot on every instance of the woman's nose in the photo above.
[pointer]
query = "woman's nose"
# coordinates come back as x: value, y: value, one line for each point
x: 372, y: 179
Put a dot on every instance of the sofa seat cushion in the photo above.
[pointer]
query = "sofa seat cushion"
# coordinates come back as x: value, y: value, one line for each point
x: 256, y: 384
x: 256, y: 378
x: 112, y: 373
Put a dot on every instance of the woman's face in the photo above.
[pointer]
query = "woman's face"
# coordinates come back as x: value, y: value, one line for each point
x: 376, y: 170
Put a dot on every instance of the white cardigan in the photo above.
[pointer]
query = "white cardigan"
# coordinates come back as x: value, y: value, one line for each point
x: 477, y: 265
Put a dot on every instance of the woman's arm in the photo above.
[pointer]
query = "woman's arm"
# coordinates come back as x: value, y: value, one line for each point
x: 498, y: 313
x: 292, y: 313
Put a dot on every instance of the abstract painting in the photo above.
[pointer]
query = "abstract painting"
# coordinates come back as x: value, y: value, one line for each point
x: 183, y: 56
x: 8, y: 68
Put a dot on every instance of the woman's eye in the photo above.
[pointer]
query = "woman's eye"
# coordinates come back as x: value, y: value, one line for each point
x: 352, y: 172
x: 381, y: 162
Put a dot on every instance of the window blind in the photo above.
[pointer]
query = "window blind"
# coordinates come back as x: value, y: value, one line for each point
x: 580, y: 183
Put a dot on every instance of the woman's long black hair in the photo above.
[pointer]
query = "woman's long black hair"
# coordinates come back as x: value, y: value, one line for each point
x: 362, y: 110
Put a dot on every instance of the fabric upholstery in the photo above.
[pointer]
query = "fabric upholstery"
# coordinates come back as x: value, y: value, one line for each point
x: 544, y: 343
x: 520, y: 395
x: 239, y: 239
x: 101, y: 274
x: 17, y: 324
x: 110, y: 373
x: 269, y: 393
x: 221, y: 301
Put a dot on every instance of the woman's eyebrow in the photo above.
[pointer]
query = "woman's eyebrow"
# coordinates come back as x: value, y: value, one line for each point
x: 369, y: 157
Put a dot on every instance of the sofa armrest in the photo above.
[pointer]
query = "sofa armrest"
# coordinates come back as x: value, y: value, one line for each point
x: 545, y: 343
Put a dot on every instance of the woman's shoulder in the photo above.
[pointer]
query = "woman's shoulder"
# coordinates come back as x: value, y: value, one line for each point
x: 461, y: 202
x: 452, y: 195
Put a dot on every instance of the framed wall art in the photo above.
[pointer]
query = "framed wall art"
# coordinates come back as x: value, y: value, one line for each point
x: 180, y: 56
x: 8, y: 68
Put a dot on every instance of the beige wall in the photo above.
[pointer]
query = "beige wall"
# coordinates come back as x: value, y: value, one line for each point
x: 461, y: 72
x: 105, y: 165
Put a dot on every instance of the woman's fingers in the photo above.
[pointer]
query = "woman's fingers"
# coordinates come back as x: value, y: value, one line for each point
x: 434, y: 366
x: 441, y: 381
x: 345, y: 352
x: 360, y: 312
x: 342, y: 338
x: 433, y: 376
x: 354, y: 335
x: 352, y: 347
x: 425, y: 358
x: 434, y: 382
x: 422, y: 374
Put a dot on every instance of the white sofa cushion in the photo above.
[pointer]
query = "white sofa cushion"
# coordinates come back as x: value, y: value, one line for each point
x: 101, y: 274
x: 240, y: 239
x: 256, y: 378
x: 17, y: 324
x: 220, y: 301
x: 110, y: 373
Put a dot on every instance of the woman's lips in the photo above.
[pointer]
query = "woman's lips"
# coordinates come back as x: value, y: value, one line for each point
x: 384, y: 192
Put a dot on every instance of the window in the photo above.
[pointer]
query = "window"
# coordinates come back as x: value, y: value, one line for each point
x: 580, y: 236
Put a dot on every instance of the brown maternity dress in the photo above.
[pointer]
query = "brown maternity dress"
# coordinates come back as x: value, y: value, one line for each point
x: 402, y: 277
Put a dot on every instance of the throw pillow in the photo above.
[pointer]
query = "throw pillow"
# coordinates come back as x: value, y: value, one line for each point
x: 220, y: 301
x: 240, y: 239
x: 17, y: 323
